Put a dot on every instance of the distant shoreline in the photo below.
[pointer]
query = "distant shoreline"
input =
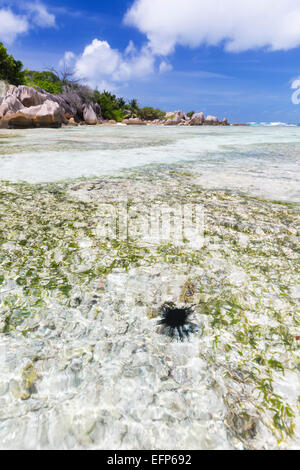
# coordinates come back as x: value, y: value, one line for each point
x: 25, y: 107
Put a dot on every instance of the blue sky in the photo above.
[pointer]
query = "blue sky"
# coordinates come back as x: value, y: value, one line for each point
x: 173, y: 54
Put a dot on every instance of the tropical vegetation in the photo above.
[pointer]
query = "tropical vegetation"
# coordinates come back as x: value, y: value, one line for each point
x: 112, y: 106
x: 10, y: 69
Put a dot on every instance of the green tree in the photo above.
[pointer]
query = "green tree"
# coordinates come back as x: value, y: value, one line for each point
x: 48, y: 81
x: 111, y: 106
x: 150, y: 114
x: 133, y: 108
x: 190, y: 114
x: 10, y: 69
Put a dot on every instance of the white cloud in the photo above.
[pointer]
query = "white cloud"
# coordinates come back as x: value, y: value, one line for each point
x: 99, y: 64
x: 68, y: 59
x: 97, y: 61
x: 130, y: 49
x: 238, y: 24
x: 11, y: 26
x: 165, y: 67
x: 41, y: 17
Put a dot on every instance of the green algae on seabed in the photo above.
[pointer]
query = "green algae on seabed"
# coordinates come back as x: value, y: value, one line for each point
x: 241, y: 282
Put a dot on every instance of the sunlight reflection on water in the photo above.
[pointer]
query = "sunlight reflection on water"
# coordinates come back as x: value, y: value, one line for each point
x: 260, y: 161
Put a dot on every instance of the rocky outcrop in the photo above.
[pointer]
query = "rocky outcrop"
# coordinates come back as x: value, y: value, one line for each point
x: 89, y: 115
x: 28, y: 96
x: 225, y: 122
x: 173, y: 119
x: 24, y: 106
x: 72, y: 122
x: 178, y: 118
x: 3, y: 90
x: 48, y: 114
x: 10, y: 105
x: 134, y: 122
x: 197, y: 119
x: 109, y: 122
x: 211, y: 121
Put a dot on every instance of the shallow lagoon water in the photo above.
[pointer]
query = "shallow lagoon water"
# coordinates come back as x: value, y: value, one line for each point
x: 261, y: 161
x: 83, y: 364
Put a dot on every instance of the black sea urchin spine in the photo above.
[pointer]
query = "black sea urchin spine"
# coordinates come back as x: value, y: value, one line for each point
x: 175, y: 321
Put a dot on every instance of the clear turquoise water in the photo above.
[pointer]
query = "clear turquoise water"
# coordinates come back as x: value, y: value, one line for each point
x: 102, y: 375
x: 260, y: 161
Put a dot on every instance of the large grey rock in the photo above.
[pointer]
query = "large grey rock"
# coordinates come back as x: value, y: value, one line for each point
x: 197, y: 119
x: 29, y: 96
x: 170, y: 114
x: 211, y: 121
x: 97, y: 108
x: 40, y: 112
x: 48, y: 114
x: 3, y: 90
x: 67, y: 109
x: 173, y: 119
x: 171, y: 122
x: 71, y: 104
x: 225, y: 122
x: 89, y: 115
x: 10, y: 105
x: 180, y: 115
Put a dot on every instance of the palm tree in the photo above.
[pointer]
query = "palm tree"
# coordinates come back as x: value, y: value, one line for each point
x: 133, y: 107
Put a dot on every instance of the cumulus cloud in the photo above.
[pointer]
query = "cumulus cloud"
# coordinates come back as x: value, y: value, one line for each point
x: 11, y: 26
x: 233, y: 24
x: 165, y: 67
x: 68, y: 59
x: 239, y: 25
x: 40, y: 15
x: 22, y: 18
x: 100, y: 64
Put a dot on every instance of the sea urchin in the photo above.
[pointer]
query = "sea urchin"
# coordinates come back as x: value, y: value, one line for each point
x: 175, y: 321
